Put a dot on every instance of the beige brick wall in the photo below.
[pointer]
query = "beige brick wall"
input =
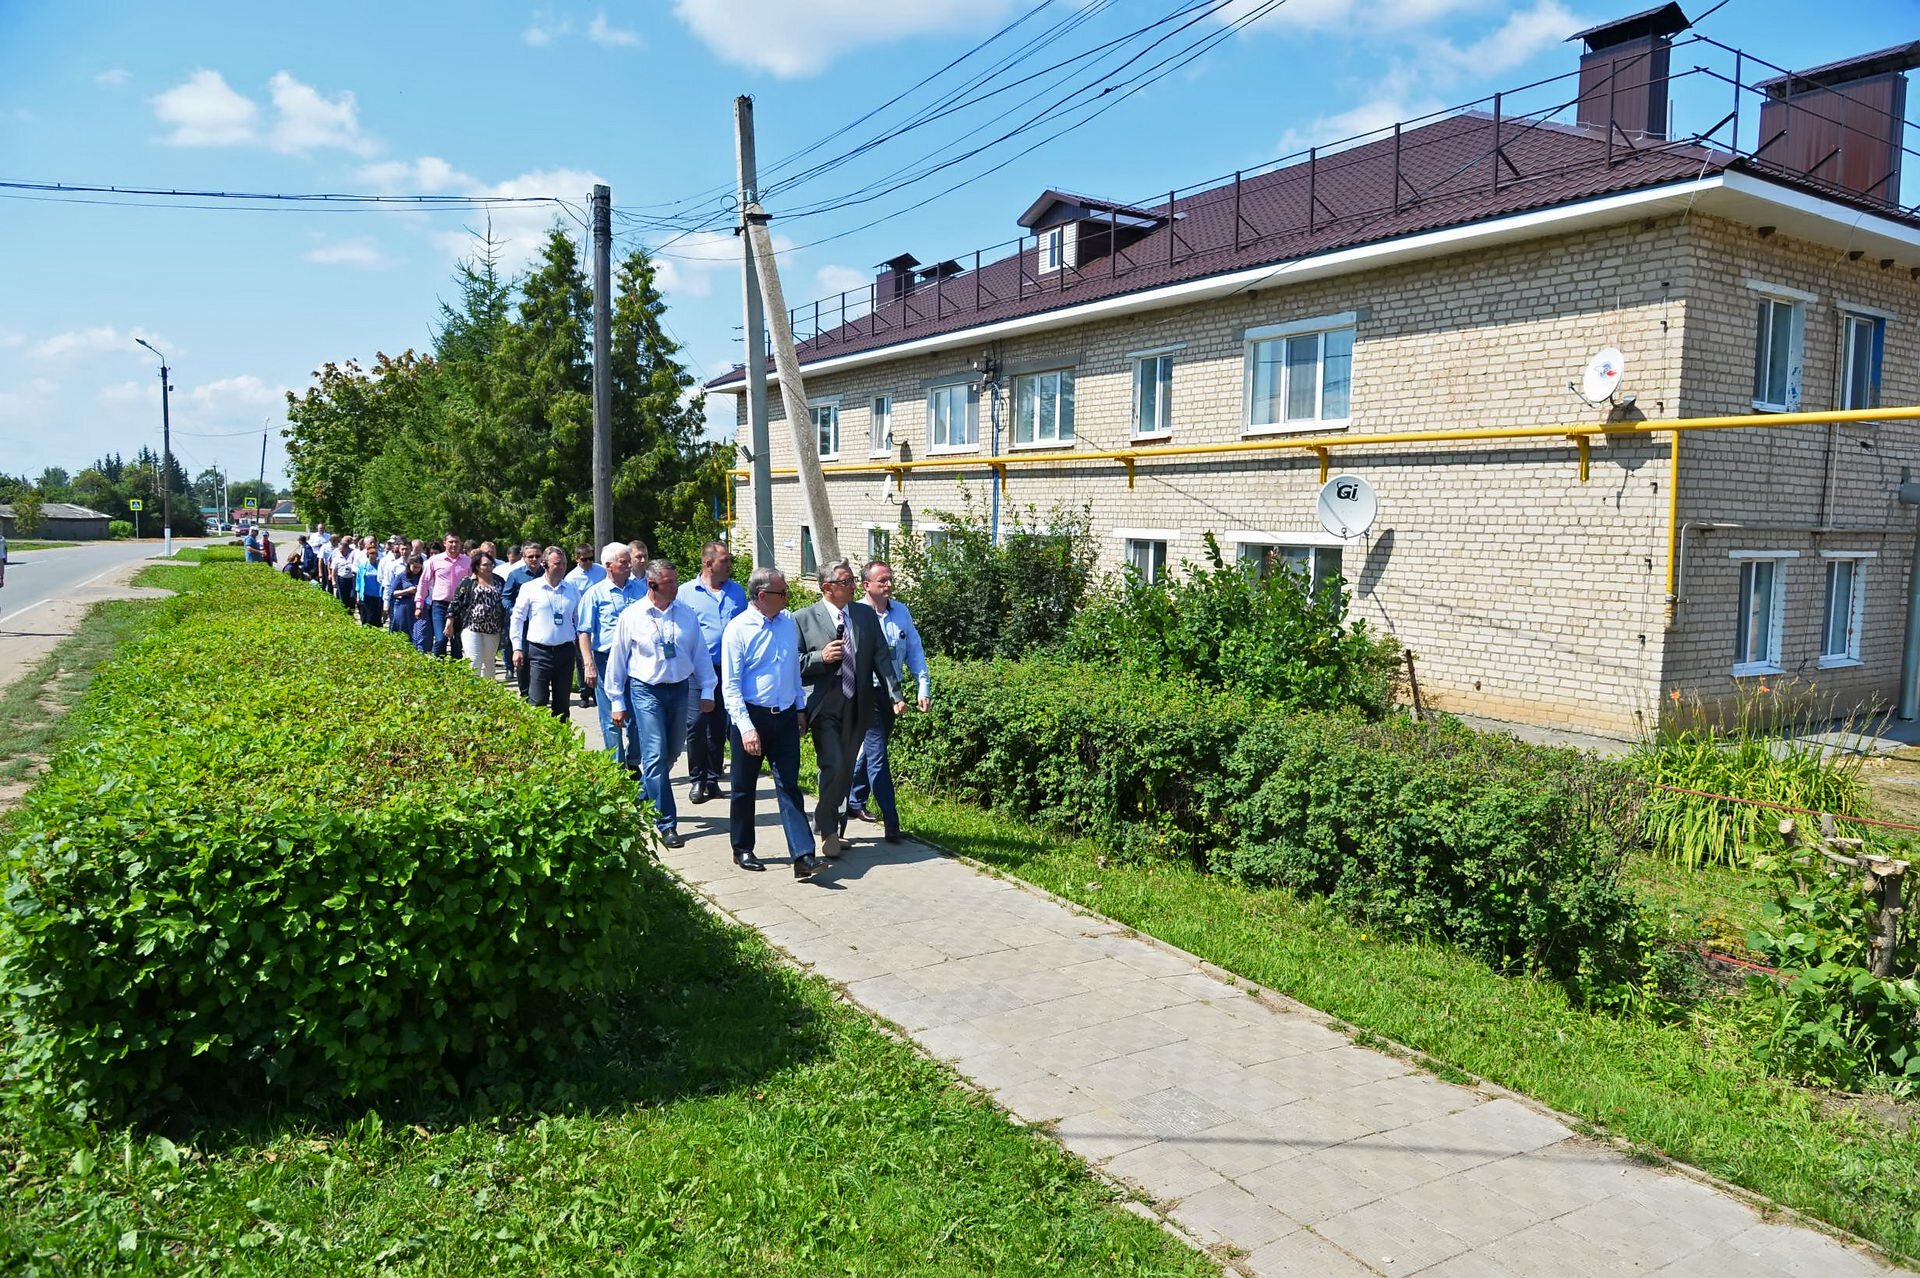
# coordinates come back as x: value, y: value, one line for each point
x: 1525, y: 593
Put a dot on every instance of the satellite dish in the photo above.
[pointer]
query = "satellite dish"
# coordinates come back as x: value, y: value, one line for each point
x: 1602, y: 376
x: 1347, y: 506
x: 889, y: 489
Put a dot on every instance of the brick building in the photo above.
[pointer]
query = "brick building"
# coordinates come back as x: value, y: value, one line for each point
x: 1453, y: 276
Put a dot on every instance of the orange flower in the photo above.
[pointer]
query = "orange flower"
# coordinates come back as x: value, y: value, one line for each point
x: 1765, y: 688
x: 1675, y: 694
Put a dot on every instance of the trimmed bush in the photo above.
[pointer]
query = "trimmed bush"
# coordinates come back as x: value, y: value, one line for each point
x: 1506, y: 849
x: 291, y: 859
x: 120, y: 529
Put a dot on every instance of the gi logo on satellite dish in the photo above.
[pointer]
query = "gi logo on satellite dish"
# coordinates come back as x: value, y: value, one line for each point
x: 1347, y: 506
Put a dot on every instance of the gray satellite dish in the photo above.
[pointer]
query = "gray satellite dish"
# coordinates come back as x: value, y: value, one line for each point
x: 1347, y: 506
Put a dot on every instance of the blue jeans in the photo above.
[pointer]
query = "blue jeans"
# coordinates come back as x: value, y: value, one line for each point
x: 780, y: 746
x: 873, y: 773
x: 622, y: 744
x: 438, y: 610
x: 659, y: 714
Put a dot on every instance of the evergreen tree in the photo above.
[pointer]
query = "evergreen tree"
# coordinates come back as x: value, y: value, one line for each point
x: 543, y: 445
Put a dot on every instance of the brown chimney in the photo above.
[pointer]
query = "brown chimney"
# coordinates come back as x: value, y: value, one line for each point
x: 1841, y: 123
x: 895, y: 279
x: 1623, y: 73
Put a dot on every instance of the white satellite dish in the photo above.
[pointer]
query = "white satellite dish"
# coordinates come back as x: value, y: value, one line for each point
x: 1347, y: 506
x: 1603, y: 374
x: 889, y: 487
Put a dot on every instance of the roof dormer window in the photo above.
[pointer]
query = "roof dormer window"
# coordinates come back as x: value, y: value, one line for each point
x: 1056, y: 247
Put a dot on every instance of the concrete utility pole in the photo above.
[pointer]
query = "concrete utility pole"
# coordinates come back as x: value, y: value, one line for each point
x: 755, y: 357
x: 793, y: 393
x: 602, y: 367
x: 166, y: 455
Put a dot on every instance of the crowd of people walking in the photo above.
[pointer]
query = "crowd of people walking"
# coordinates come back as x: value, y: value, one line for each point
x: 721, y: 672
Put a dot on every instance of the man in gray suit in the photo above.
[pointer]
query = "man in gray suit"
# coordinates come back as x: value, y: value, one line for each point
x: 845, y: 668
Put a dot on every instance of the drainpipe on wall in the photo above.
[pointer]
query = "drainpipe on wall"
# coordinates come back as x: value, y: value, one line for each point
x: 1909, y: 708
x: 993, y: 476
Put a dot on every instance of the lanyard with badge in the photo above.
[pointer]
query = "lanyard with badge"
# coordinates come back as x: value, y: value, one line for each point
x: 664, y: 639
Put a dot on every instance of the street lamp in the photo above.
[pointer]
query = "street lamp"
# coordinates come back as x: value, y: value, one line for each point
x: 166, y: 455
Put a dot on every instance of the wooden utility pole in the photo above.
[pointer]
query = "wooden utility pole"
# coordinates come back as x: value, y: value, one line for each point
x: 755, y: 353
x: 602, y: 367
x: 793, y: 393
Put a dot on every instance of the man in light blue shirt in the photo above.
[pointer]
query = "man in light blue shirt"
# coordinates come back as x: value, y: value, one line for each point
x: 766, y: 709
x: 599, y: 614
x: 872, y: 772
x: 657, y: 670
x: 716, y: 599
x: 585, y: 573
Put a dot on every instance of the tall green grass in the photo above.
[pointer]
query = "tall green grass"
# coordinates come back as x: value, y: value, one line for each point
x: 1758, y: 756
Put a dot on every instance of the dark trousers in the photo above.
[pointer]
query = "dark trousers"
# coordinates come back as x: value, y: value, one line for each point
x: 836, y: 744
x: 779, y: 746
x: 522, y: 672
x: 707, y: 744
x: 551, y: 678
x: 343, y: 591
x: 873, y: 772
x: 370, y: 610
x: 444, y: 644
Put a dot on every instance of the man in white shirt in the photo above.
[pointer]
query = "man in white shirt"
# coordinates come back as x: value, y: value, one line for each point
x: 544, y: 634
x: 657, y: 662
x: 760, y: 686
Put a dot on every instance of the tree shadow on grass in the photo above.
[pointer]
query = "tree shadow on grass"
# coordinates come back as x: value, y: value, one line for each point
x: 700, y: 1008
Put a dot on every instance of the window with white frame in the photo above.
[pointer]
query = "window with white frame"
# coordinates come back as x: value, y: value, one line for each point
x: 1043, y: 408
x: 879, y: 542
x: 1316, y: 563
x: 1862, y: 340
x: 1300, y: 375
x: 826, y: 427
x: 935, y: 541
x: 1776, y: 353
x: 951, y: 422
x: 1056, y: 248
x: 1846, y: 603
x: 1762, y: 610
x: 1153, y: 395
x: 809, y: 564
x: 1147, y: 558
x: 880, y: 426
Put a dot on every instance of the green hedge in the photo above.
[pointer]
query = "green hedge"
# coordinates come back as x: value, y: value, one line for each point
x: 1506, y: 849
x: 291, y: 859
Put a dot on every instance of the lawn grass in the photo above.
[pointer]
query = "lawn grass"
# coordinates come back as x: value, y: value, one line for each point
x: 1690, y: 1091
x: 19, y: 544
x: 740, y: 1120
x: 33, y: 707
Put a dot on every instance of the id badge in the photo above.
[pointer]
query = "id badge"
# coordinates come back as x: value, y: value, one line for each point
x: 559, y: 616
x: 669, y: 649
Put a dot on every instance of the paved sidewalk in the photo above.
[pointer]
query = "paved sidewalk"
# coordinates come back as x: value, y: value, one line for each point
x: 1246, y: 1121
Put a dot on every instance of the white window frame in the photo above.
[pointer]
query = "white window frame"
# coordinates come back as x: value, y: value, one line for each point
x: 831, y: 406
x: 1062, y: 395
x: 970, y: 404
x: 1056, y: 248
x: 880, y: 426
x: 1796, y: 301
x: 878, y: 533
x: 1133, y: 548
x: 1162, y: 425
x: 1856, y: 607
x: 1776, y: 612
x: 1321, y: 326
x: 1853, y: 320
x: 1315, y: 544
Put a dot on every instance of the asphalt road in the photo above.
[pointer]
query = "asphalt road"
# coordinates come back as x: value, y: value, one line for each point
x: 36, y: 576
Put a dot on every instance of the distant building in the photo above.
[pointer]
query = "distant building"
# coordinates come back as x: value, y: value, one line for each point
x: 1448, y: 275
x: 60, y: 521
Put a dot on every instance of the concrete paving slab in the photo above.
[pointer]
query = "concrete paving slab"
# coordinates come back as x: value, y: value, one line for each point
x: 1252, y: 1123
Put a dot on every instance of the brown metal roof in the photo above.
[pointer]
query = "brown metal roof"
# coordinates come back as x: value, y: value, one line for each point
x: 1446, y: 177
x: 1900, y: 57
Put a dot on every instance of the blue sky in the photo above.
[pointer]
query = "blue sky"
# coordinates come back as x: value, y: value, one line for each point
x: 506, y: 99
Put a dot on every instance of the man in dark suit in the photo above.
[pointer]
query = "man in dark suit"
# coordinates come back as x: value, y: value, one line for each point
x: 845, y: 668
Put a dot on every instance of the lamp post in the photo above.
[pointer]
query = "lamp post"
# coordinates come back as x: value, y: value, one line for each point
x: 166, y: 455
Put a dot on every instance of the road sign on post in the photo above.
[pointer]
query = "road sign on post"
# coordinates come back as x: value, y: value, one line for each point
x: 136, y: 506
x: 251, y: 503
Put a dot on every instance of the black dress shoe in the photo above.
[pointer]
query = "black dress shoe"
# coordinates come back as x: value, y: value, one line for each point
x: 747, y: 861
x: 862, y: 814
x: 807, y: 866
x: 672, y: 839
x: 891, y: 836
x: 698, y: 794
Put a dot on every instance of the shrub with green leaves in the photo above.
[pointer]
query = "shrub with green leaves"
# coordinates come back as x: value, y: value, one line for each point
x: 120, y: 529
x: 1229, y: 626
x: 289, y: 859
x: 1506, y: 849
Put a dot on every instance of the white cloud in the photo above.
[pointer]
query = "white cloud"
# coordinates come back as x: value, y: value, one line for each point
x: 9, y: 340
x: 113, y: 77
x: 204, y: 110
x: 130, y: 392
x: 1378, y: 112
x: 428, y: 175
x: 601, y: 32
x: 232, y: 393
x: 91, y: 341
x: 688, y: 265
x: 519, y: 232
x: 545, y: 28
x: 791, y: 39
x: 1370, y: 18
x: 1514, y: 43
x: 841, y: 279
x: 309, y: 120
x: 361, y: 252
